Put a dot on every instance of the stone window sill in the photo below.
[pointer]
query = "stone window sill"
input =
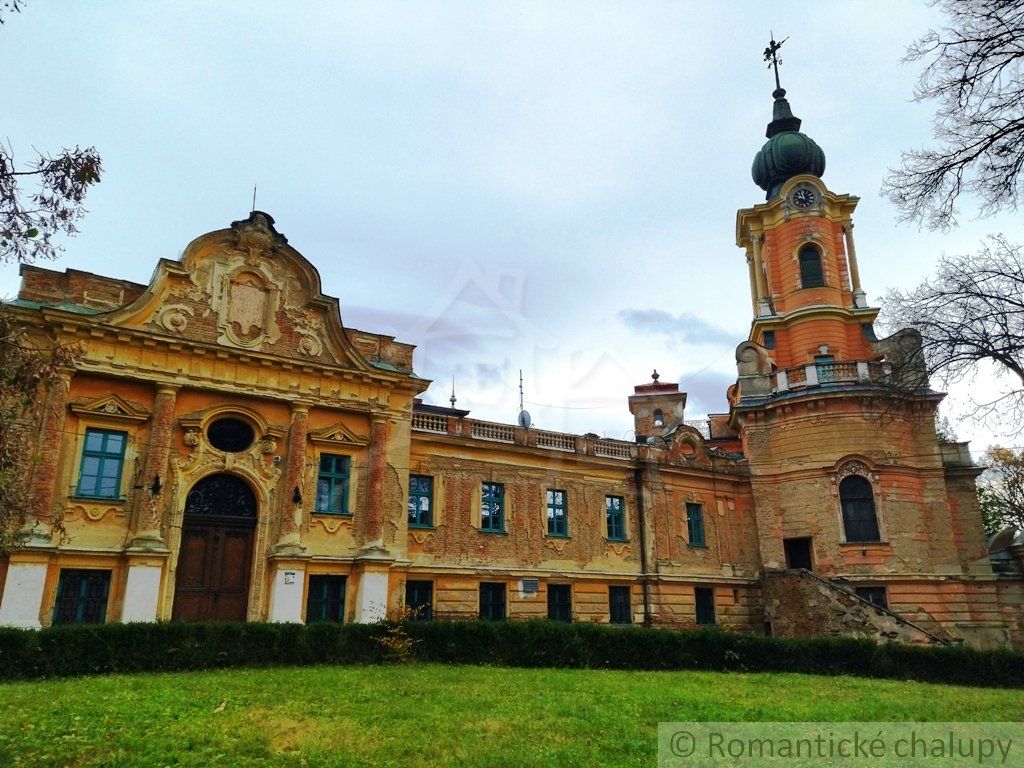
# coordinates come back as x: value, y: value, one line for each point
x: 100, y: 499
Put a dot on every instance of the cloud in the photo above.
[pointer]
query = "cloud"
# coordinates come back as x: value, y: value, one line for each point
x: 706, y: 391
x: 684, y: 327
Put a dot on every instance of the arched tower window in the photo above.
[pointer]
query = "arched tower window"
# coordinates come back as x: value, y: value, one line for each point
x: 811, y: 273
x: 659, y: 418
x: 860, y: 522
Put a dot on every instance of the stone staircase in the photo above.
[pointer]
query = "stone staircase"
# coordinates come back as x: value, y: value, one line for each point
x: 799, y: 603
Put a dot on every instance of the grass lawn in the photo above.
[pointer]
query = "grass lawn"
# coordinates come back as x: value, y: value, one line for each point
x: 430, y: 715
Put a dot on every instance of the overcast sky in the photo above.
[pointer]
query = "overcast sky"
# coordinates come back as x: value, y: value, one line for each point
x: 546, y: 186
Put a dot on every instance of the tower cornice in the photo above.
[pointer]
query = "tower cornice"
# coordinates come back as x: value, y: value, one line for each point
x: 765, y: 216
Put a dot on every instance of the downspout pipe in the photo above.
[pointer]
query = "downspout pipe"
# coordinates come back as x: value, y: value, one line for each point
x: 645, y: 586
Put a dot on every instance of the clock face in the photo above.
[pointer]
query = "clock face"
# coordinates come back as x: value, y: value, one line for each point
x: 804, y: 198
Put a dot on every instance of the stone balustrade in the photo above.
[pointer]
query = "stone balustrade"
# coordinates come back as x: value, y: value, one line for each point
x: 495, y: 432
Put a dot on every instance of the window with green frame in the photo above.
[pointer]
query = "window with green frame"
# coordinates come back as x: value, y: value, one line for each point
x: 704, y: 605
x: 492, y: 508
x: 615, y: 514
x: 332, y: 485
x: 492, y: 601
x: 558, y: 524
x: 619, y: 608
x: 81, y: 596
x: 102, y: 463
x: 695, y: 524
x: 421, y: 501
x: 325, y: 599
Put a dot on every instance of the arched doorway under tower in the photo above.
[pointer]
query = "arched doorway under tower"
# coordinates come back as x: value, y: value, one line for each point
x: 215, y: 558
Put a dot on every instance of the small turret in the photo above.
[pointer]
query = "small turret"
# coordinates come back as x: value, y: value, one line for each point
x: 657, y: 408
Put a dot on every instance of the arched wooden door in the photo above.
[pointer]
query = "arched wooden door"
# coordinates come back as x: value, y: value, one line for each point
x: 215, y: 559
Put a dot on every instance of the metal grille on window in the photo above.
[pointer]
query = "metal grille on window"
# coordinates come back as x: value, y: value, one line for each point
x: 419, y: 600
x: 619, y: 607
x: 559, y: 602
x: 704, y: 600
x: 326, y: 599
x: 492, y: 601
x: 81, y: 597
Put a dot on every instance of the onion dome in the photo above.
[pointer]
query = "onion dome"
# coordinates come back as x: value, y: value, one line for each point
x: 787, y: 153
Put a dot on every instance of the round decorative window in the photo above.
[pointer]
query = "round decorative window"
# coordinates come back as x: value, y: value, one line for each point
x: 230, y: 435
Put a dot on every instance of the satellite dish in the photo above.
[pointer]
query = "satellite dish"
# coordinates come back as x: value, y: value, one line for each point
x: 524, y: 419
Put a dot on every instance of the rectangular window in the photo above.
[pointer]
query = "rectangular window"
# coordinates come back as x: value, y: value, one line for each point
x: 332, y: 485
x: 492, y: 508
x: 616, y: 518
x: 419, y: 599
x: 326, y: 599
x: 421, y: 501
x: 618, y: 605
x: 102, y: 461
x: 874, y: 595
x: 704, y: 599
x: 557, y: 523
x: 81, y: 597
x: 492, y: 601
x: 559, y: 602
x: 695, y: 524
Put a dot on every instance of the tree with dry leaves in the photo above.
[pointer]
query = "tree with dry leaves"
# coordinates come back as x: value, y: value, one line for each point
x: 1001, y: 490
x: 43, y: 196
x: 974, y: 71
x: 38, y: 200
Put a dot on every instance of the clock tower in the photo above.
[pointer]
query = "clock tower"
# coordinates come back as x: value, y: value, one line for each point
x: 848, y: 477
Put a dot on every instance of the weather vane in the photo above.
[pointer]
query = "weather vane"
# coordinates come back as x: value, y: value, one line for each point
x: 771, y: 55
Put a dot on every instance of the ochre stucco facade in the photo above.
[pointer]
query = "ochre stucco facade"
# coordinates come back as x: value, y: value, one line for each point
x: 743, y: 520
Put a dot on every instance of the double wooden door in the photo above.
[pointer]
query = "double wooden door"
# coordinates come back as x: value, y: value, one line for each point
x: 215, y: 558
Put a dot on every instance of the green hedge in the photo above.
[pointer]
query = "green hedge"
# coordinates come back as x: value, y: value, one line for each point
x: 79, y: 650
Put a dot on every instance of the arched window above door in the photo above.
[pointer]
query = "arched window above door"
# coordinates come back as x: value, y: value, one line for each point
x: 860, y: 521
x: 221, y: 495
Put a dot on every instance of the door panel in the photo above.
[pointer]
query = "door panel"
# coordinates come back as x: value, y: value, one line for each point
x: 215, y: 559
x: 213, y: 572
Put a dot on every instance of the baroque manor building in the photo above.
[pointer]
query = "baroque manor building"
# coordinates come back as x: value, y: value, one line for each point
x: 226, y: 449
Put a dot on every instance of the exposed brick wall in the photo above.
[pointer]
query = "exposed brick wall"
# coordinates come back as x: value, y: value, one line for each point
x: 798, y: 605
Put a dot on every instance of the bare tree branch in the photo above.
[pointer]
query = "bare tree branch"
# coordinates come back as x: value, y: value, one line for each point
x: 972, y: 313
x: 974, y: 70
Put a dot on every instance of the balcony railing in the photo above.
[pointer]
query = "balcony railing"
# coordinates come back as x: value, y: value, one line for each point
x: 840, y: 373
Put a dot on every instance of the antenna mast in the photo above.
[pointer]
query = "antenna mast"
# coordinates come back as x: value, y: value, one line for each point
x: 524, y: 417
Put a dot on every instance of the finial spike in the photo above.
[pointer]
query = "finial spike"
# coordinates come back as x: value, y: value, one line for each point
x: 253, y: 199
x: 452, y: 398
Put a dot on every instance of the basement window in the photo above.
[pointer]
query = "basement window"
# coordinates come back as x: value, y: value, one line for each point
x: 874, y: 595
